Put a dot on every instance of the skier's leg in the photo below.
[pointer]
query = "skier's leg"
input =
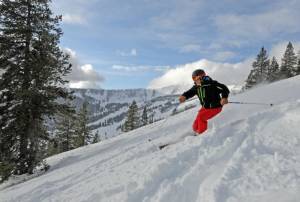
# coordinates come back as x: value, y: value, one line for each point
x: 198, y: 121
x: 202, y: 122
x: 195, y: 124
x: 205, y: 115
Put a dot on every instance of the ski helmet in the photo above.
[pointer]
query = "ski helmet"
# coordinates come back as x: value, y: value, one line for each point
x: 198, y: 73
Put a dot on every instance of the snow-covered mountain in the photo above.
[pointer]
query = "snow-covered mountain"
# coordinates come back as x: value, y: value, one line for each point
x: 108, y: 108
x: 249, y: 153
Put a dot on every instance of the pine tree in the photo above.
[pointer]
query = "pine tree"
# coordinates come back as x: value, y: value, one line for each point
x: 144, y: 120
x: 96, y: 137
x: 31, y: 85
x: 298, y: 64
x: 259, y: 72
x: 132, y: 119
x: 151, y: 116
x: 298, y: 67
x: 273, y: 71
x: 83, y: 132
x: 136, y: 116
x: 288, y: 63
x: 65, y: 131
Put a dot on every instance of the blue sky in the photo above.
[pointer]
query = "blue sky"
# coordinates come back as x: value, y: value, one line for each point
x: 132, y: 43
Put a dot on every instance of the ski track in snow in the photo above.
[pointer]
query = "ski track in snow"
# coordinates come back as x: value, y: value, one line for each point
x: 250, y: 153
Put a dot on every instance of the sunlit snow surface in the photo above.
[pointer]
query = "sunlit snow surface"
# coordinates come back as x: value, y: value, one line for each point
x: 249, y: 153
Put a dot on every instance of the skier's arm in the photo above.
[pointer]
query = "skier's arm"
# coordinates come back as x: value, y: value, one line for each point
x: 224, y: 91
x: 190, y: 93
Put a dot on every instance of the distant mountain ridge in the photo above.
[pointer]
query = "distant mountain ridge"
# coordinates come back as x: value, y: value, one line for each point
x: 108, y: 108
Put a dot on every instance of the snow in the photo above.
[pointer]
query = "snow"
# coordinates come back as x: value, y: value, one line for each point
x: 250, y: 153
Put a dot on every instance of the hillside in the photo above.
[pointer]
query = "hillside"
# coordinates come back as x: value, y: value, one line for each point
x: 250, y: 153
x: 108, y: 108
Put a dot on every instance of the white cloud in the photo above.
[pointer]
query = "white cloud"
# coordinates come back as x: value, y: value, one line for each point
x: 83, y: 84
x: 73, y: 19
x: 230, y: 74
x: 174, y: 24
x: 190, y: 48
x: 176, y: 15
x: 260, y: 25
x: 223, y: 55
x: 77, y: 12
x: 82, y: 75
x: 87, y: 68
x: 132, y: 52
x: 140, y: 68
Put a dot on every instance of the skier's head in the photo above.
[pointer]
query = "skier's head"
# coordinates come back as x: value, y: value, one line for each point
x: 198, y: 74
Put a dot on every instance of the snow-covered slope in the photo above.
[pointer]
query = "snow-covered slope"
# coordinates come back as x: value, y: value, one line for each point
x: 250, y: 153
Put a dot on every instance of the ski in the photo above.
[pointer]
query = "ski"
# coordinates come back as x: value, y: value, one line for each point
x: 172, y: 143
x: 163, y: 146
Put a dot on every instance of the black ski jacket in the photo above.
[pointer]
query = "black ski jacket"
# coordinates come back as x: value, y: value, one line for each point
x: 209, y: 93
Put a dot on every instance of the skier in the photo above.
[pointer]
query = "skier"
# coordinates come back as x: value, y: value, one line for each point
x: 212, y: 95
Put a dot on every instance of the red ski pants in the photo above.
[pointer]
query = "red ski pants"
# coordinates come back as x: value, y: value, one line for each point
x: 200, y: 123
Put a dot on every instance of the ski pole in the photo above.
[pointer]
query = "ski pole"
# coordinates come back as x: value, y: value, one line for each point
x: 252, y: 103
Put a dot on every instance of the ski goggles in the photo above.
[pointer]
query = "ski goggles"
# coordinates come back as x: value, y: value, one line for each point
x: 195, y: 78
x: 201, y: 77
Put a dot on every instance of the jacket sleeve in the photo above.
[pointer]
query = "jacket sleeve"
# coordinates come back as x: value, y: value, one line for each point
x: 190, y: 93
x: 222, y: 89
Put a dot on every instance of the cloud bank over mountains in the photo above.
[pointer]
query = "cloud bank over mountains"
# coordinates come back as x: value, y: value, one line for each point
x: 82, y: 75
x: 232, y: 74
